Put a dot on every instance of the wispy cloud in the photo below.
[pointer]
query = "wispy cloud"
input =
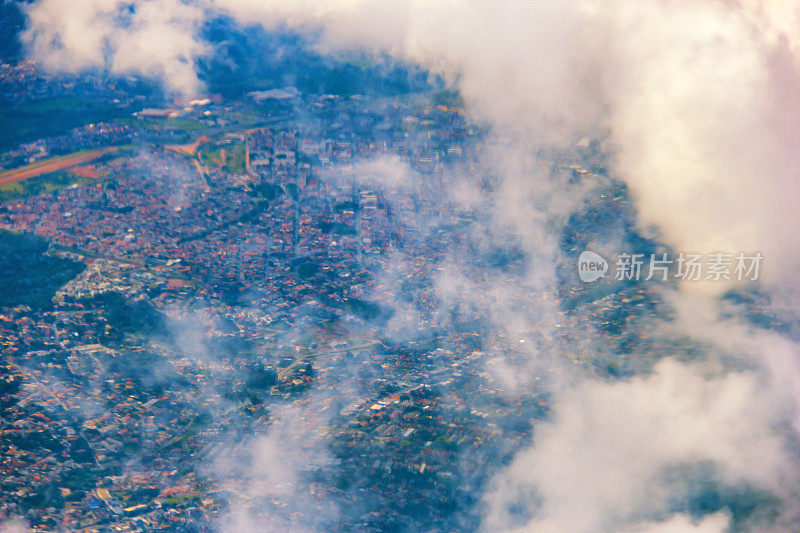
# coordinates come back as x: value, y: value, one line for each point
x: 695, y: 103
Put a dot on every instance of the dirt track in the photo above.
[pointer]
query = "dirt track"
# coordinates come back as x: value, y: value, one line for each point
x: 51, y: 165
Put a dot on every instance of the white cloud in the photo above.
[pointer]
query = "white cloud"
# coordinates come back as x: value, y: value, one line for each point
x: 270, y: 467
x: 14, y: 525
x: 697, y: 98
x: 697, y: 103
x: 715, y: 523
x: 601, y: 464
x: 155, y: 38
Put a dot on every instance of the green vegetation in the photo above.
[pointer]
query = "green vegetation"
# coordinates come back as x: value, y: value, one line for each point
x: 267, y: 190
x: 247, y: 115
x: 29, y: 276
x: 363, y: 309
x: 34, y: 440
x: 139, y: 496
x: 162, y: 124
x: 53, y: 116
x: 46, y: 183
x: 229, y: 157
x: 79, y: 480
x: 189, y: 433
x: 449, y: 98
x: 131, y: 317
x: 123, y: 151
x: 180, y: 499
x: 336, y: 228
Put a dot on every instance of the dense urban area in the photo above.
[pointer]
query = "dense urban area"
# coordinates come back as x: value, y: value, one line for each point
x: 399, y: 267
x: 187, y: 281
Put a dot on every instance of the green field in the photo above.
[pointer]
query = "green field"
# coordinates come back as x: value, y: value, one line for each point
x: 229, y: 157
x: 43, y: 184
x: 158, y: 124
